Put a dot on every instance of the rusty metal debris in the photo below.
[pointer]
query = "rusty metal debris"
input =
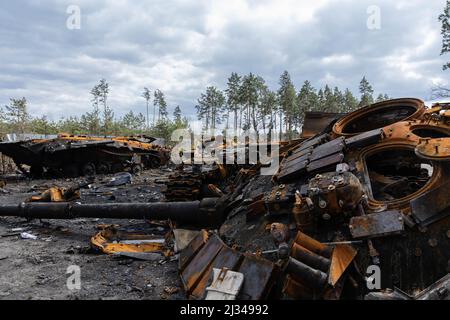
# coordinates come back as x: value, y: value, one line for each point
x: 71, y: 155
x: 113, y: 241
x: 369, y: 189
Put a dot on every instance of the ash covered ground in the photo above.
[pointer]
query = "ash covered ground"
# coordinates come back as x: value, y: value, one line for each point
x: 37, y: 269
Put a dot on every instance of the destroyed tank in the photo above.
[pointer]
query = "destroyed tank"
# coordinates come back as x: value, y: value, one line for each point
x: 72, y: 155
x: 358, y: 211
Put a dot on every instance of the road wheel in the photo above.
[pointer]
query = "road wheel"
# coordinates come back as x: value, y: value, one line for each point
x: 117, y: 167
x: 36, y: 172
x: 103, y: 168
x: 155, y: 163
x: 71, y: 170
x: 136, y: 169
x: 88, y: 170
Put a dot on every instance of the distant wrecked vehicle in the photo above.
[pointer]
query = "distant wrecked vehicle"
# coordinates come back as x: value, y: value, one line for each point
x: 75, y: 155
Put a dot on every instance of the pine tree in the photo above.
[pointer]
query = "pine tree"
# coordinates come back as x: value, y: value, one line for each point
x: 248, y: 96
x: 350, y: 102
x: 366, y: 92
x: 17, y: 115
x: 307, y: 100
x: 177, y: 116
x: 160, y: 103
x: 100, y: 97
x: 268, y: 106
x: 287, y: 97
x: 321, y: 101
x: 339, y: 100
x: 42, y: 126
x: 444, y: 18
x: 233, y: 98
x: 329, y: 104
x: 209, y: 107
x: 147, y: 96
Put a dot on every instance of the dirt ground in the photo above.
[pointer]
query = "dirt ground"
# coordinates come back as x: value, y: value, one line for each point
x: 37, y: 269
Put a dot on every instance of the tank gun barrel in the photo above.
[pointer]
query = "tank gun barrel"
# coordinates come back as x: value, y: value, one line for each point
x: 204, y: 213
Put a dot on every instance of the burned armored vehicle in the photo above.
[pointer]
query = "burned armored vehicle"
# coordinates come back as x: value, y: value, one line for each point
x: 360, y: 210
x: 71, y: 155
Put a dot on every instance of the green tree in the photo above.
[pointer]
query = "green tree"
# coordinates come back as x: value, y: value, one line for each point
x: 233, y: 98
x: 71, y: 125
x: 339, y: 100
x: 366, y: 92
x: 209, y: 107
x: 444, y: 18
x: 43, y: 126
x: 177, y: 115
x: 91, y: 120
x: 248, y: 97
x: 350, y: 102
x: 132, y: 123
x: 100, y: 94
x: 268, y: 106
x: 307, y: 99
x: 321, y: 101
x: 287, y: 97
x: 147, y: 96
x: 160, y: 103
x: 17, y: 115
x: 329, y: 104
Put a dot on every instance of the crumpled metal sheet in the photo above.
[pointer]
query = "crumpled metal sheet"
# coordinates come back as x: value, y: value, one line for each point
x: 201, y: 257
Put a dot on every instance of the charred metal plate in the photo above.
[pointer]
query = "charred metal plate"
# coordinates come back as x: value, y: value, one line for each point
x: 294, y: 170
x: 377, y: 225
x: 430, y: 207
x: 312, y: 142
x: 295, y: 164
x: 299, y: 154
x: 197, y: 267
x: 325, y: 163
x: 258, y: 277
x: 189, y: 252
x: 327, y: 149
x: 227, y: 258
x: 365, y: 139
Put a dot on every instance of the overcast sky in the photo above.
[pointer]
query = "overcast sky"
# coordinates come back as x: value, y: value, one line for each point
x: 183, y: 46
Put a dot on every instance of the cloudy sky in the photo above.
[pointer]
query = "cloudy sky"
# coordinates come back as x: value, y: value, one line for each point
x: 182, y: 46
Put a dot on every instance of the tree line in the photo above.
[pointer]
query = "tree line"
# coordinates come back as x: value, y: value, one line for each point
x: 247, y: 103
x: 99, y: 121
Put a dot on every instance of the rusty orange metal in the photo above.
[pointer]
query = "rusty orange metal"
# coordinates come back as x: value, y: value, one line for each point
x: 108, y: 241
x: 55, y: 194
x: 342, y: 256
x: 313, y: 245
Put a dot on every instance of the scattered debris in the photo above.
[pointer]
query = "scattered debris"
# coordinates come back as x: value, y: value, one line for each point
x: 120, y: 179
x: 28, y: 236
x: 145, y: 256
x: 226, y: 285
x: 183, y: 238
x: 113, y: 241
x: 171, y: 290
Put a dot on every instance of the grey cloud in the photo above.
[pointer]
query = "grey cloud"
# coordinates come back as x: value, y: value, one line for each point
x: 174, y: 46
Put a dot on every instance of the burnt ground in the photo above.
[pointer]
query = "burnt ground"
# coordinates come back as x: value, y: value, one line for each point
x: 36, y: 269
